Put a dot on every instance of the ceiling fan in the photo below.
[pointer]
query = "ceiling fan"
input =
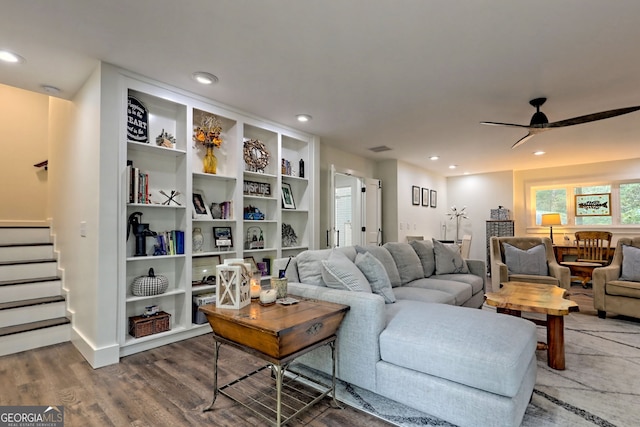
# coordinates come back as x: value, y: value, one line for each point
x: 540, y: 123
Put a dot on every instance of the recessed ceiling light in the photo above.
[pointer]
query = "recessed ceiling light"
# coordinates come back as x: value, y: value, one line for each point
x: 303, y: 117
x: 51, y: 90
x: 204, y: 78
x: 10, y: 57
x: 453, y: 166
x: 538, y: 153
x: 466, y: 173
x: 434, y: 157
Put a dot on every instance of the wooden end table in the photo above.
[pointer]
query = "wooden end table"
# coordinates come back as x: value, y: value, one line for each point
x: 516, y: 297
x: 277, y: 334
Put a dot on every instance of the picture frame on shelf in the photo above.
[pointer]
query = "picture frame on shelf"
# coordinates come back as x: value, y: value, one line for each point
x: 263, y: 268
x: 287, y: 197
x: 593, y: 204
x: 223, y: 238
x: 433, y: 198
x: 199, y: 206
x: 415, y: 195
x: 203, y: 270
x: 425, y: 197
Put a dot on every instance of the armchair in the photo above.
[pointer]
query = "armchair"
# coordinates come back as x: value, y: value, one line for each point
x: 616, y: 287
x: 525, y: 262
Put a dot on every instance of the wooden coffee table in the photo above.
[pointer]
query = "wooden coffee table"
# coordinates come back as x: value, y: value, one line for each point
x: 277, y: 334
x: 516, y: 297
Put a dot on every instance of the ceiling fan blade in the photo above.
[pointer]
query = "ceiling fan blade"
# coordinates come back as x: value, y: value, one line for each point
x: 513, y: 125
x: 593, y: 117
x: 523, y: 139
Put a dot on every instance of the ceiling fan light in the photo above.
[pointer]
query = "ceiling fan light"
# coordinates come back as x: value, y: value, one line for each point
x: 539, y: 118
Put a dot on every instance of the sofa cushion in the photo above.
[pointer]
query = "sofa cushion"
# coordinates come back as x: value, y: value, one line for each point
x: 424, y: 249
x: 422, y: 294
x: 476, y: 282
x: 407, y: 261
x: 477, y: 348
x: 376, y: 275
x: 630, y: 263
x: 386, y: 259
x: 448, y: 260
x: 460, y: 291
x: 339, y: 272
x: 531, y: 261
x: 623, y: 288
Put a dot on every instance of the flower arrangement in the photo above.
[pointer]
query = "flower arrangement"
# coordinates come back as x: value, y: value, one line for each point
x: 208, y: 133
x: 457, y: 215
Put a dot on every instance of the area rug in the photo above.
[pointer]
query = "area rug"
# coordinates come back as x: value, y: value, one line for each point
x: 600, y: 386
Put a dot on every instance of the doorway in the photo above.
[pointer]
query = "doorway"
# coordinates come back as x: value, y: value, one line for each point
x: 356, y: 210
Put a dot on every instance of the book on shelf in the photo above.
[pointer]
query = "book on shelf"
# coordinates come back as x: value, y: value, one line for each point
x: 137, y: 184
x: 170, y: 243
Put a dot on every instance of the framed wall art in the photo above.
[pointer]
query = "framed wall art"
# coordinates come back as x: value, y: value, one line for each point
x: 415, y: 195
x: 433, y: 198
x: 593, y: 204
x: 425, y: 197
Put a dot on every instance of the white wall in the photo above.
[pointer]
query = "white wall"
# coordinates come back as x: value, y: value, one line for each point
x: 24, y: 121
x: 80, y: 187
x: 399, y: 216
x: 479, y: 193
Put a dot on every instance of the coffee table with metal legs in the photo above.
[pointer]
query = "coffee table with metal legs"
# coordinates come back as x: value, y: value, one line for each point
x: 515, y: 297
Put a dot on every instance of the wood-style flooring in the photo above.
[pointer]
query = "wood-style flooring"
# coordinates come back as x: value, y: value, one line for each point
x: 166, y: 386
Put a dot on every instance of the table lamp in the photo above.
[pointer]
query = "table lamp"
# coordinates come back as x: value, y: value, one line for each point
x: 549, y: 220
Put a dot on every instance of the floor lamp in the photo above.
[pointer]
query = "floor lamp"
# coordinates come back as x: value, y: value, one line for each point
x: 549, y: 220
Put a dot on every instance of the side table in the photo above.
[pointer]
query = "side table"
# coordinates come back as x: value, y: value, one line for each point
x: 277, y: 334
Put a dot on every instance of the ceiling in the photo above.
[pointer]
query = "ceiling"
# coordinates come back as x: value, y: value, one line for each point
x: 414, y: 75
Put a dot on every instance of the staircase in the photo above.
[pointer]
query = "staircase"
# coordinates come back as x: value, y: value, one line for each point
x: 32, y: 307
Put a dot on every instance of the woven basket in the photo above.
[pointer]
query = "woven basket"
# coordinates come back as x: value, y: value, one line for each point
x: 149, y: 285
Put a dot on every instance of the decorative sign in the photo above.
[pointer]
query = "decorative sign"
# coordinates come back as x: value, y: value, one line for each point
x: 253, y: 188
x: 593, y: 204
x: 137, y: 121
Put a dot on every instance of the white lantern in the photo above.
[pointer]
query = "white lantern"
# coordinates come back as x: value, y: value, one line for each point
x: 233, y: 285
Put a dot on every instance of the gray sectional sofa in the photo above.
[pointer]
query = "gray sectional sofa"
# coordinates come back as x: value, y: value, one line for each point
x: 414, y: 333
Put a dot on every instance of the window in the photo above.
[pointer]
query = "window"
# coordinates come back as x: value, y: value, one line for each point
x: 625, y: 203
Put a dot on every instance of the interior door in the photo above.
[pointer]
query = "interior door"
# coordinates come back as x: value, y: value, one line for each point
x: 355, y: 210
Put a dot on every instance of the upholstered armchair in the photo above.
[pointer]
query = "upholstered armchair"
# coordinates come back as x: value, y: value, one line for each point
x: 526, y: 259
x: 616, y: 287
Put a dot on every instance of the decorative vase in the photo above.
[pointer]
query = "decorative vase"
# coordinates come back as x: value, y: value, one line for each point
x: 197, y: 240
x: 210, y: 161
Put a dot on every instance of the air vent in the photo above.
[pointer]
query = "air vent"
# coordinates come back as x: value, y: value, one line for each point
x: 380, y: 149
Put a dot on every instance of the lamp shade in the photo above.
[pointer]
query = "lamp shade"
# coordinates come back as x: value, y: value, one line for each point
x: 551, y: 219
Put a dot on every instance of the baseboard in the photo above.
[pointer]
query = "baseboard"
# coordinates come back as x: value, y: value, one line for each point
x: 97, y: 357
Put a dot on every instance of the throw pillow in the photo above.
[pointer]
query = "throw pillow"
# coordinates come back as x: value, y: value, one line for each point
x: 448, y: 260
x: 630, y: 263
x: 310, y: 267
x: 407, y: 261
x: 376, y: 275
x: 386, y: 259
x: 424, y: 249
x: 531, y: 261
x: 339, y: 272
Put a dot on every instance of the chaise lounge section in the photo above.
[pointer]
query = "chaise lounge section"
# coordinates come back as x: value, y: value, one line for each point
x: 430, y: 348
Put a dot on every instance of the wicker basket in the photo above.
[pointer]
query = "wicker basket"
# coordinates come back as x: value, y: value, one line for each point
x: 141, y: 326
x: 149, y: 285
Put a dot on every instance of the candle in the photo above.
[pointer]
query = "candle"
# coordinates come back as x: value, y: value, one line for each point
x: 268, y: 296
x: 255, y: 288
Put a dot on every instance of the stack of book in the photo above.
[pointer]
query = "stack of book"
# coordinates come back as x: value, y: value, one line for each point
x: 138, y: 184
x: 170, y: 243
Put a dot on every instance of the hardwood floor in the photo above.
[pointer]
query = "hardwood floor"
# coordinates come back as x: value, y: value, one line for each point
x: 166, y: 386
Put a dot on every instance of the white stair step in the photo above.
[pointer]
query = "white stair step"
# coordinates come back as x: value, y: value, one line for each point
x: 32, y: 313
x: 29, y: 270
x: 17, y: 235
x: 36, y: 289
x: 12, y: 253
x: 15, y: 343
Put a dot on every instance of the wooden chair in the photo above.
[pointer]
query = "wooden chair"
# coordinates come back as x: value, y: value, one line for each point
x: 593, y: 252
